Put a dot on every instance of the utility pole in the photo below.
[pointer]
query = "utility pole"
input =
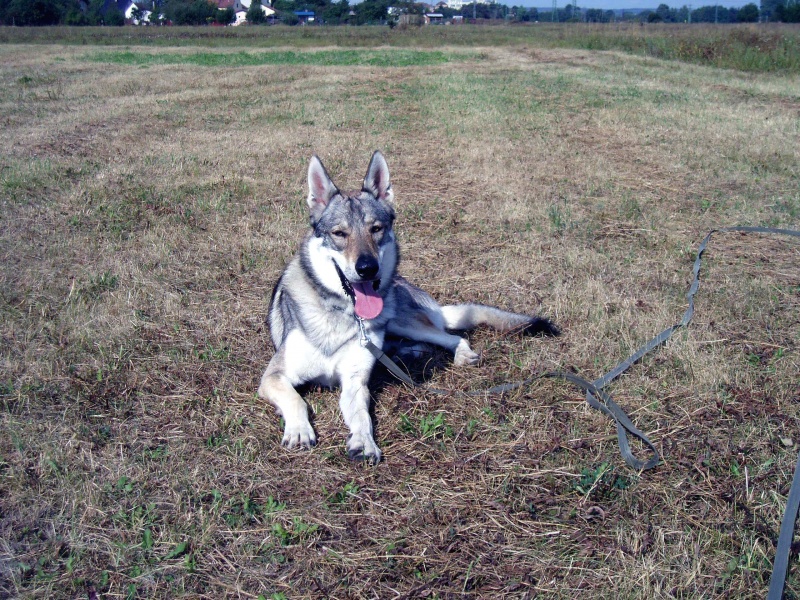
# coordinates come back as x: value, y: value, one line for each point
x: 555, y: 11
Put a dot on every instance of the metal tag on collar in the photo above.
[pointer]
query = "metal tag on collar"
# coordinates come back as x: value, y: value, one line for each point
x: 364, y: 339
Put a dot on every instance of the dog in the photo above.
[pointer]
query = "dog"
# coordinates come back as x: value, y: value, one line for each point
x: 343, y: 284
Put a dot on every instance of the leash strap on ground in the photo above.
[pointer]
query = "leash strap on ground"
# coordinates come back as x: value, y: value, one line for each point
x: 782, y: 552
x: 595, y: 393
x: 662, y: 338
x: 595, y: 396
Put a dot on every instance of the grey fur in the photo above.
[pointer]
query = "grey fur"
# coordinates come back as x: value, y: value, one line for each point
x: 313, y: 324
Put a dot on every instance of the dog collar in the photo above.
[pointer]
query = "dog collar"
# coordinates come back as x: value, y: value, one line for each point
x: 348, y: 289
x: 346, y: 285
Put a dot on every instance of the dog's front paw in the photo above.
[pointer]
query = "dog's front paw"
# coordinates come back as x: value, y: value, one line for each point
x: 299, y: 435
x: 465, y: 355
x: 363, y: 448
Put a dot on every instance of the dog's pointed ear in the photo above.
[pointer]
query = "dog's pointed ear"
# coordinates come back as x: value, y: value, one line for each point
x: 320, y: 187
x: 377, y: 181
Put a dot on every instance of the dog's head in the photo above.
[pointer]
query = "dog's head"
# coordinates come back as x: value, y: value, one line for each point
x: 354, y: 233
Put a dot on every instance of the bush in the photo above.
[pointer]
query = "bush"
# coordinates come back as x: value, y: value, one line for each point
x: 26, y: 12
x: 225, y: 17
x: 289, y: 18
x: 114, y: 18
x: 255, y: 14
x: 190, y: 12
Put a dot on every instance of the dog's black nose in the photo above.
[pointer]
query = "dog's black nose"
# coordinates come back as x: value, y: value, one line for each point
x: 367, y: 267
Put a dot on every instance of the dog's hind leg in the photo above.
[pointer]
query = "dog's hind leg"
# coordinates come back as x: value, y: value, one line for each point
x: 278, y: 389
x: 469, y: 316
x: 420, y: 328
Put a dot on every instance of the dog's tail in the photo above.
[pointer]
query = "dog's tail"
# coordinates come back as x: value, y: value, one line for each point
x: 468, y: 316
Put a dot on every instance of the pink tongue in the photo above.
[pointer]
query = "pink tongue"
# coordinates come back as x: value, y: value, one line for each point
x: 368, y: 303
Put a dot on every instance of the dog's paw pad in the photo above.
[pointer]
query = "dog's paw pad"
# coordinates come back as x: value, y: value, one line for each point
x: 363, y: 450
x: 301, y: 436
x: 466, y: 356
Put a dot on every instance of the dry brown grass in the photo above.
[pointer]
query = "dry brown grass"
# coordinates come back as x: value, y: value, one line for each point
x: 146, y: 212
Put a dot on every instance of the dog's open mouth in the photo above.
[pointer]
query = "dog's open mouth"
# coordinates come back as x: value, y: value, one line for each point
x: 368, y: 304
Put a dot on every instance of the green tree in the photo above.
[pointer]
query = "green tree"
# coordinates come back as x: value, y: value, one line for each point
x: 114, y: 17
x: 255, y: 14
x: 478, y: 10
x: 30, y: 12
x: 770, y: 7
x: 748, y: 14
x: 595, y: 15
x: 665, y: 14
x: 788, y: 12
x: 190, y: 12
x: 336, y: 13
x: 225, y: 16
x: 371, y: 11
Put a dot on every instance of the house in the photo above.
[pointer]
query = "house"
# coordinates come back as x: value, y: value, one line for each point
x: 459, y: 4
x: 433, y: 18
x: 410, y: 20
x: 266, y: 7
x: 140, y: 9
x: 305, y: 16
x: 240, y: 9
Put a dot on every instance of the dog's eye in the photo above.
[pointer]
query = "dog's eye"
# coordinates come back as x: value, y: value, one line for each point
x: 376, y: 228
x: 339, y: 234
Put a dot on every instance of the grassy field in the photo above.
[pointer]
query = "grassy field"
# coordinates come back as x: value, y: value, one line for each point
x: 149, y: 198
x: 758, y: 48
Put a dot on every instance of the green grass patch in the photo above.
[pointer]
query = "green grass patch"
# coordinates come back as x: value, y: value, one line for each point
x: 748, y: 47
x: 335, y: 58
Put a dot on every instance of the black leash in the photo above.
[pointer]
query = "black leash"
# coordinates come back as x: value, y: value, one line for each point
x: 594, y: 393
x: 781, y: 566
x: 600, y: 400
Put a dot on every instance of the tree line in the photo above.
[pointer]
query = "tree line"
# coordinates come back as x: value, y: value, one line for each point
x: 338, y: 12
x: 749, y: 13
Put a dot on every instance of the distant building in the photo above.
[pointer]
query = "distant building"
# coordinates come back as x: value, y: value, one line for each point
x: 459, y: 4
x: 144, y: 13
x: 433, y: 18
x: 240, y: 9
x: 305, y: 16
